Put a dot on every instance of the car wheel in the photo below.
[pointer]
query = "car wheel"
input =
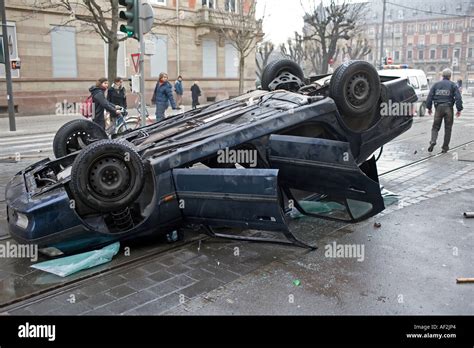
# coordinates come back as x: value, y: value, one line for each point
x: 355, y: 87
x: 76, y: 135
x: 107, y: 175
x: 422, y: 109
x: 279, y: 68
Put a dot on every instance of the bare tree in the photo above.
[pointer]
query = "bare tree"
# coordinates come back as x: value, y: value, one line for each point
x: 264, y: 51
x: 99, y: 16
x: 357, y: 48
x: 294, y: 49
x: 241, y: 30
x: 325, y: 26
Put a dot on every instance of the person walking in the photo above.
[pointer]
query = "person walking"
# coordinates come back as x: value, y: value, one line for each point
x: 195, y: 94
x: 444, y: 94
x: 163, y: 96
x: 101, y: 104
x: 178, y: 87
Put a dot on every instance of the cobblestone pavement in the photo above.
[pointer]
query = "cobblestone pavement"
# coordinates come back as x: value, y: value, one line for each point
x: 188, y: 280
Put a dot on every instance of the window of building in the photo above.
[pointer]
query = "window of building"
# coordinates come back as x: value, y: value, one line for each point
x: 469, y: 53
x: 159, y: 61
x: 472, y: 23
x: 434, y: 26
x: 432, y: 68
x: 12, y: 45
x: 400, y: 14
x: 409, y: 55
x: 121, y: 57
x: 63, y: 51
x: 446, y: 26
x: 230, y: 5
x: 457, y: 52
x: 158, y: 2
x: 208, y: 3
x: 445, y: 39
x: 397, y: 28
x: 209, y: 58
x: 421, y: 40
x: 397, y: 55
x: 445, y: 53
x: 471, y: 39
x: 420, y: 54
x: 432, y: 54
x: 231, y: 61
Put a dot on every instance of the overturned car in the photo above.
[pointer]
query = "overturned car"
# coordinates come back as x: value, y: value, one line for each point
x: 238, y: 163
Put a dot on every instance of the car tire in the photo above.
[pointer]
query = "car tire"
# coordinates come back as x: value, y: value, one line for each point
x: 76, y: 135
x: 422, y: 109
x: 276, y: 68
x: 108, y: 175
x: 355, y: 87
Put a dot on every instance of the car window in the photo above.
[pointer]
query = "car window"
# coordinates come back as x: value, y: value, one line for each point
x: 413, y: 82
x: 423, y: 82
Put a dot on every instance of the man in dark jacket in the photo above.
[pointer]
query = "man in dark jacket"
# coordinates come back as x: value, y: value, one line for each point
x: 195, y: 94
x: 162, y: 96
x: 444, y: 94
x: 101, y: 103
x: 116, y: 94
x: 178, y: 87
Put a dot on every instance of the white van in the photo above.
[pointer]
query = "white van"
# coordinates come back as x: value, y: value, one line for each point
x: 417, y: 79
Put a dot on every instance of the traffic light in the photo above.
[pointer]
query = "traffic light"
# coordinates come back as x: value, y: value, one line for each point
x: 131, y: 15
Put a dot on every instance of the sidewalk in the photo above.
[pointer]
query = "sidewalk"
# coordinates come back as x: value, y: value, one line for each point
x: 29, y: 125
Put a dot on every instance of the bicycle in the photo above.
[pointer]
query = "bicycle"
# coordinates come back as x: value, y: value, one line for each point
x: 124, y: 122
x: 128, y: 122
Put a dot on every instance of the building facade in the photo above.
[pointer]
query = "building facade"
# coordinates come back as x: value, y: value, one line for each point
x: 426, y: 35
x: 58, y: 63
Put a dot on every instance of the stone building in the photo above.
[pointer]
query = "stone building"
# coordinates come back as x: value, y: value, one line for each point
x: 427, y: 35
x: 59, y: 63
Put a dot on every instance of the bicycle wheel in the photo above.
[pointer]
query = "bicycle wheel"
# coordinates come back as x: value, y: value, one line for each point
x: 128, y: 125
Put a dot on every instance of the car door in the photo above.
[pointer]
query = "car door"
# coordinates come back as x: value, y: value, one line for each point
x: 243, y: 198
x: 321, y: 178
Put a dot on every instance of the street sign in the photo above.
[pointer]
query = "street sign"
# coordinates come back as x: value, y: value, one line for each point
x: 389, y: 60
x: 149, y: 48
x: 135, y: 83
x: 147, y: 16
x: 136, y: 60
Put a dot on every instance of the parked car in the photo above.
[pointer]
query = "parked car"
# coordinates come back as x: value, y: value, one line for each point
x: 417, y: 79
x: 310, y: 142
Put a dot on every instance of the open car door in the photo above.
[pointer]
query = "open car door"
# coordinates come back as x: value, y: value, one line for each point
x: 321, y: 178
x: 243, y: 198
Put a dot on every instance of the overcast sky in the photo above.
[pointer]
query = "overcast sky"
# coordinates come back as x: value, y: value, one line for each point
x: 282, y: 18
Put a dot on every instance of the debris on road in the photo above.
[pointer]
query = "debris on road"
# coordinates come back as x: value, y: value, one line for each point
x: 296, y: 282
x: 72, y: 264
x: 469, y: 214
x: 377, y: 224
x: 464, y: 280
